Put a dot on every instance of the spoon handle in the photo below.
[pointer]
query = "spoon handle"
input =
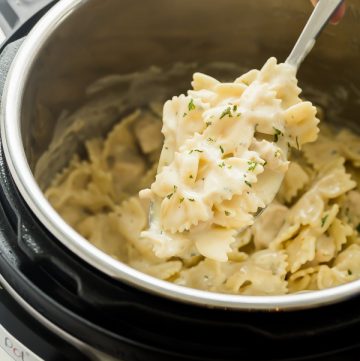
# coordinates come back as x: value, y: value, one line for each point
x: 318, y: 19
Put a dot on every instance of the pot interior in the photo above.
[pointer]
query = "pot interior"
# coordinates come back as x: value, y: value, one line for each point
x: 118, y: 37
x: 223, y: 38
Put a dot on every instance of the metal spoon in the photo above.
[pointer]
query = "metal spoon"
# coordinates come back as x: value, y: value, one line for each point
x: 320, y: 16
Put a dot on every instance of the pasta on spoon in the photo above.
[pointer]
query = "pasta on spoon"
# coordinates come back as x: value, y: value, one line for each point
x: 224, y: 157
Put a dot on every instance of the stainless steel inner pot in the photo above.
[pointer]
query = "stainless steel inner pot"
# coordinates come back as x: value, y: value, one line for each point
x: 79, y: 41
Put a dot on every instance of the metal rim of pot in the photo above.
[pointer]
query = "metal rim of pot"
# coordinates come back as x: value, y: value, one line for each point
x: 29, y: 189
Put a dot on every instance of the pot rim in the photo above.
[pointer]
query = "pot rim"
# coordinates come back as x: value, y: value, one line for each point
x: 30, y: 191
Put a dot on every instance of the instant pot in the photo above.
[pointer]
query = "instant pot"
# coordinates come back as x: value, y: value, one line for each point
x: 63, y: 299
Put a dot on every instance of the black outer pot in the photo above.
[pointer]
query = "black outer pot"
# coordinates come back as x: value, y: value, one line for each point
x: 54, y: 304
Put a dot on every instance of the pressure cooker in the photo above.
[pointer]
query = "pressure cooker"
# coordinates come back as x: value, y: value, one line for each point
x: 61, y: 298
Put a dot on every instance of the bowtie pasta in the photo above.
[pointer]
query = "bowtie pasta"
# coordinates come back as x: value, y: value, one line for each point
x: 224, y: 158
x: 308, y: 238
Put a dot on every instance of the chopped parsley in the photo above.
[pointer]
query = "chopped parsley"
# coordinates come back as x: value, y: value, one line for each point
x: 211, y: 140
x: 277, y: 153
x: 349, y: 272
x: 191, y: 176
x: 171, y: 194
x: 227, y: 213
x: 208, y: 124
x: 277, y: 133
x: 229, y: 166
x: 181, y: 199
x: 358, y: 228
x: 264, y: 164
x: 191, y: 199
x: 248, y: 183
x: 323, y: 220
x: 221, y: 149
x: 252, y: 165
x: 191, y: 105
x: 184, y: 115
x: 196, y: 150
x: 221, y: 165
x: 226, y: 112
x: 235, y: 108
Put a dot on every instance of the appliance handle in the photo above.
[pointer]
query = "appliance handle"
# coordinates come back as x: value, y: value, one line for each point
x: 17, y: 17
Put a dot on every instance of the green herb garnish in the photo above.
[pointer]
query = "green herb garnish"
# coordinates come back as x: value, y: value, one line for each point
x: 191, y: 199
x: 226, y: 112
x: 181, y: 199
x: 227, y: 213
x: 277, y: 133
x: 252, y: 165
x: 221, y: 165
x: 211, y: 140
x: 208, y: 124
x: 349, y: 272
x: 171, y: 194
x: 191, y: 105
x: 248, y: 183
x: 221, y: 149
x: 235, y: 108
x: 196, y: 150
x: 323, y: 220
x: 358, y: 228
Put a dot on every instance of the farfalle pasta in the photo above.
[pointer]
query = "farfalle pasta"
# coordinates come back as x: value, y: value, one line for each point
x: 307, y: 239
x: 224, y: 156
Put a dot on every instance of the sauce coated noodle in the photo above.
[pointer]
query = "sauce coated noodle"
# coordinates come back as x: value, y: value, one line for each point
x: 224, y: 146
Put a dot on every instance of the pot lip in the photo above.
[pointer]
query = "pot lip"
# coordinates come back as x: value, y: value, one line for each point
x: 30, y: 191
